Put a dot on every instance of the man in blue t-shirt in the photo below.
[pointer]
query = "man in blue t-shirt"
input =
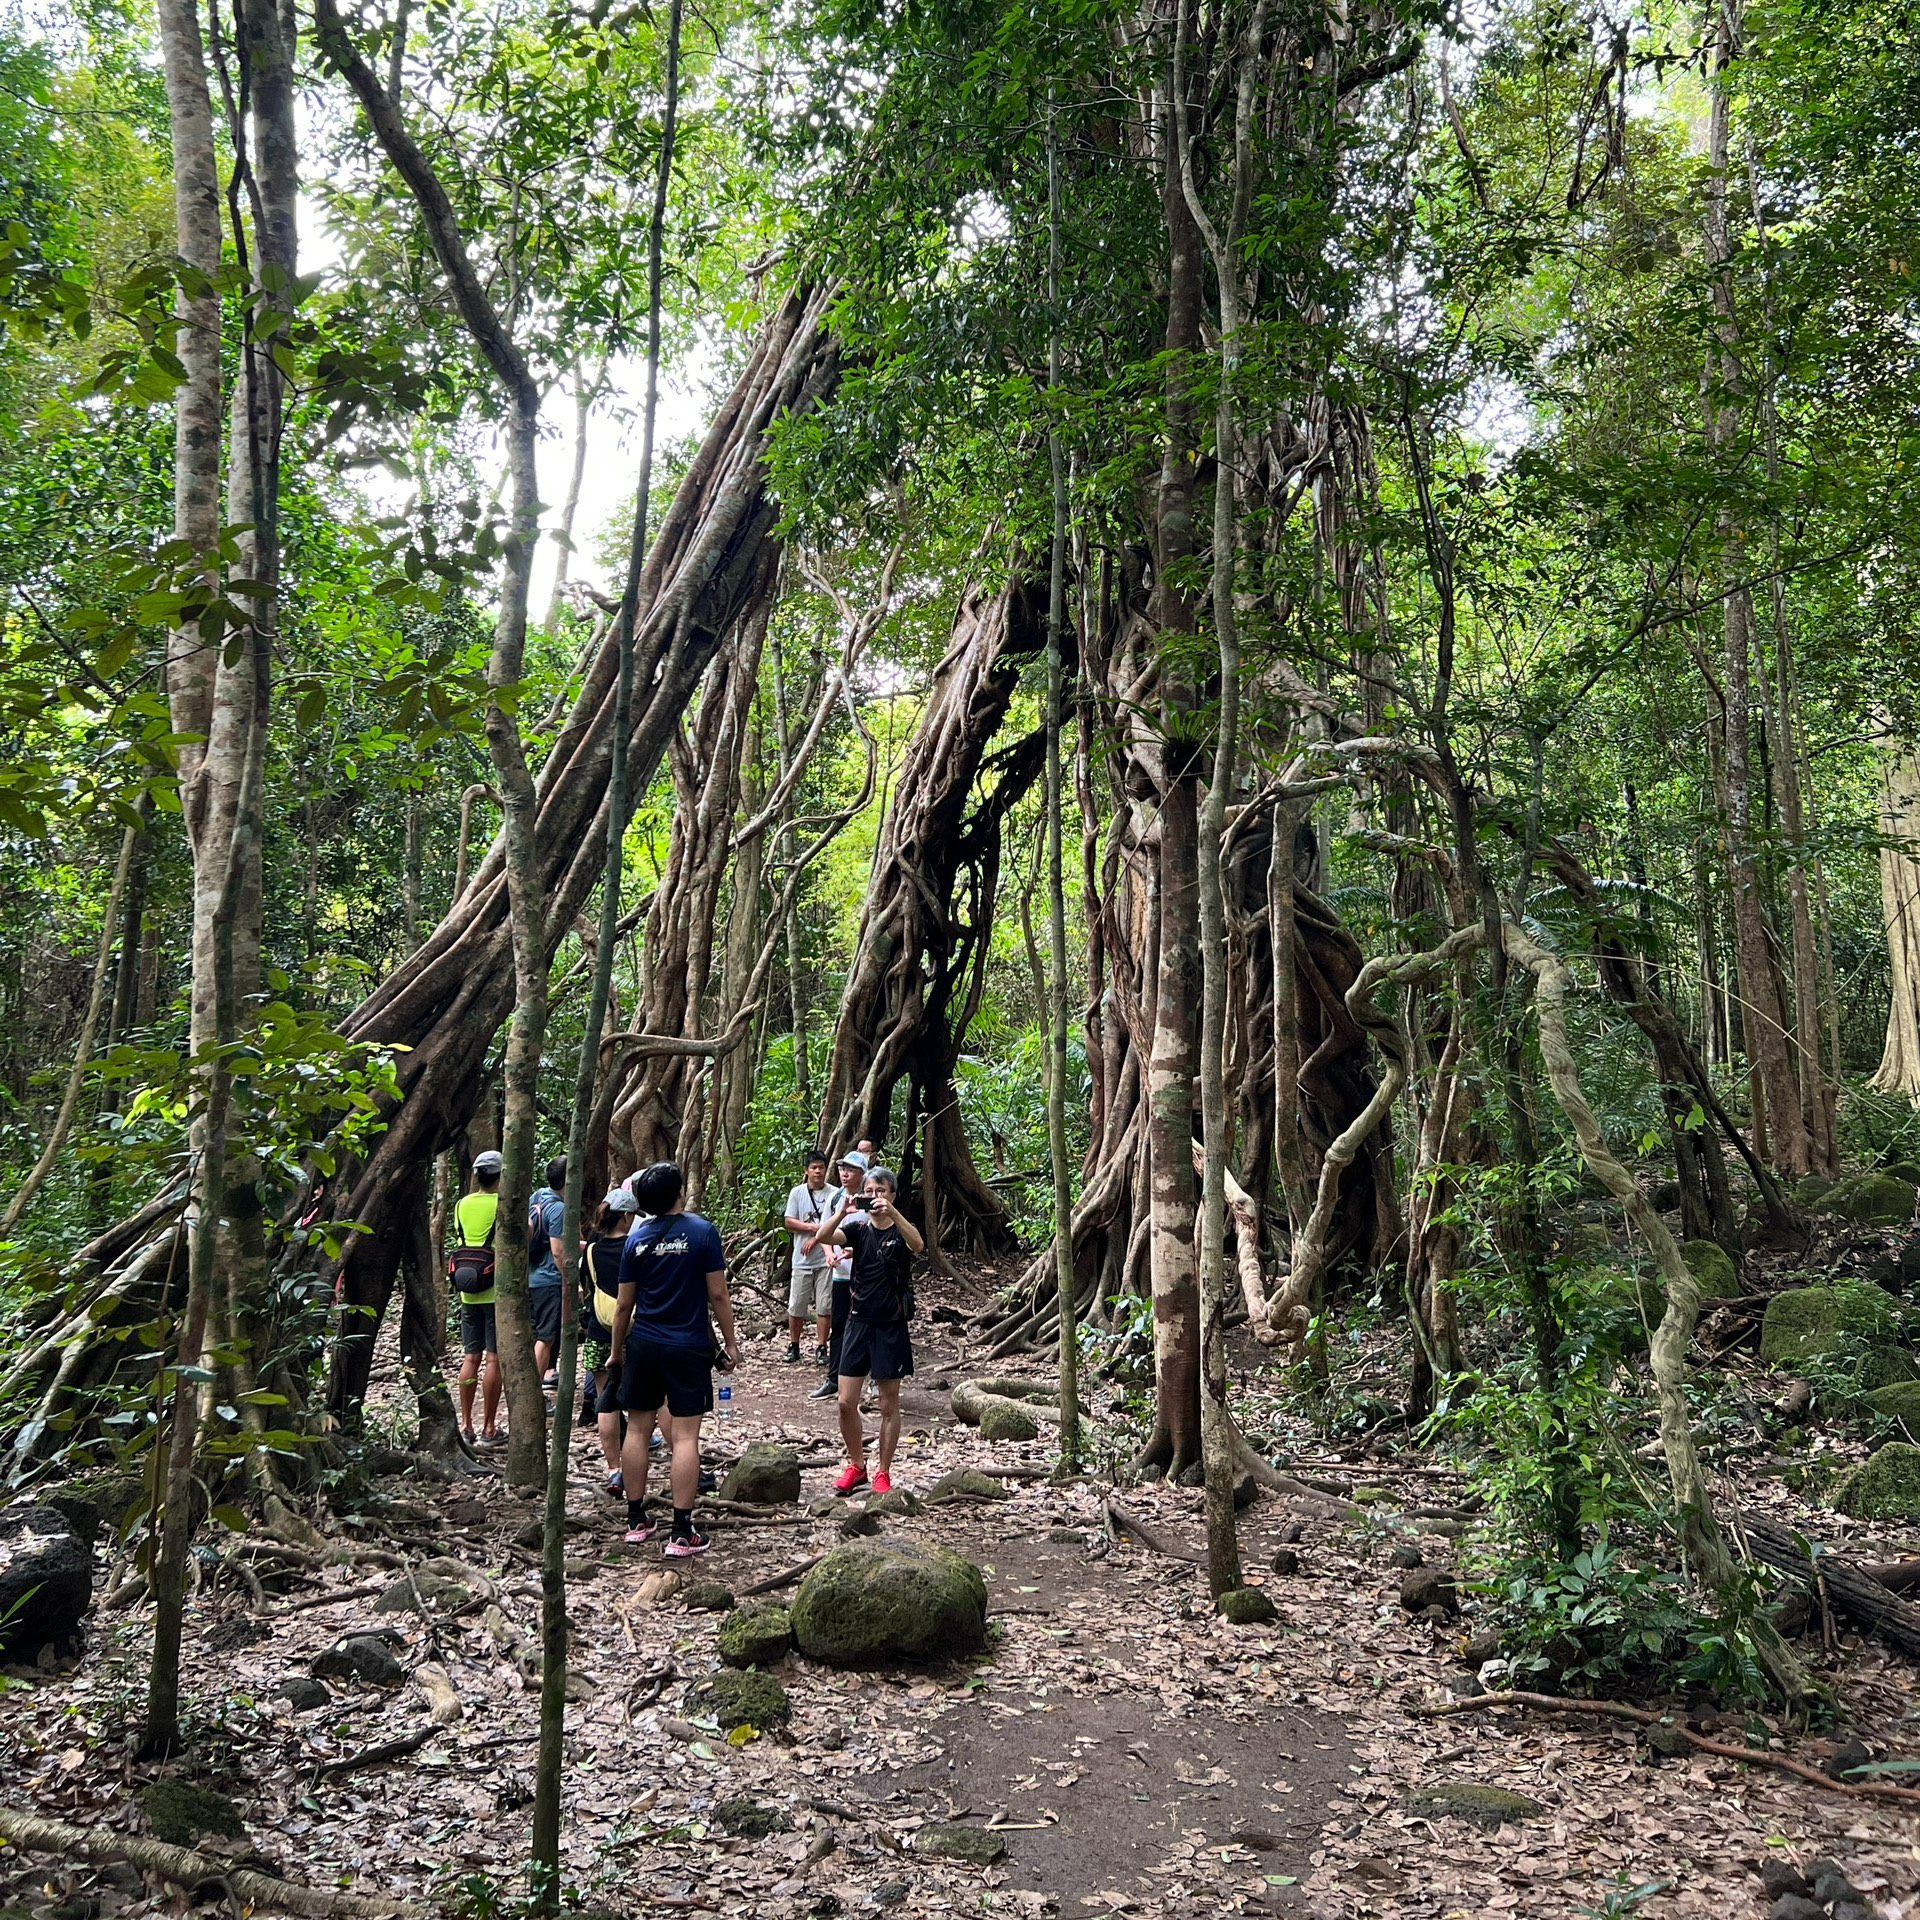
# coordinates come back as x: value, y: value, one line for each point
x: 547, y: 1220
x: 673, y: 1272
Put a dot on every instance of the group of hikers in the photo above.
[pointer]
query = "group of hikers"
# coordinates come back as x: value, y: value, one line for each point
x: 657, y: 1318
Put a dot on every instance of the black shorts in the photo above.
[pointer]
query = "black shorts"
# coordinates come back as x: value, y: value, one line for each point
x: 875, y: 1350
x: 679, y: 1377
x: 478, y: 1334
x: 543, y: 1309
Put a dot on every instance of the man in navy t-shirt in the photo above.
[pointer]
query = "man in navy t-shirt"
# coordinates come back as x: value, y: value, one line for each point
x: 673, y: 1272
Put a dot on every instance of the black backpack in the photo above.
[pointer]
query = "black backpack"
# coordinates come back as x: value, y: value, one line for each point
x: 537, y: 1237
x: 470, y: 1269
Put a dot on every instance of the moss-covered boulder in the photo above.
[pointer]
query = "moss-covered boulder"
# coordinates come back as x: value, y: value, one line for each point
x: 1807, y: 1322
x: 967, y: 1483
x: 894, y: 1500
x: 1708, y: 1263
x: 708, y: 1596
x: 1886, y: 1488
x: 877, y: 1601
x: 1469, y: 1800
x: 1007, y: 1420
x: 183, y: 1815
x: 1811, y: 1188
x: 970, y: 1846
x: 756, y: 1636
x: 764, y: 1476
x: 1872, y: 1200
x: 740, y: 1699
x: 1246, y: 1607
x: 749, y: 1819
x: 1884, y: 1366
x: 1899, y: 1401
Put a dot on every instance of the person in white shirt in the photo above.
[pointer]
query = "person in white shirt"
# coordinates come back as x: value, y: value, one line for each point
x: 810, y: 1294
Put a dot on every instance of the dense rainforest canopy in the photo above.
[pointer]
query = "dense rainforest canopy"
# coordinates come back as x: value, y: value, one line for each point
x: 1272, y: 644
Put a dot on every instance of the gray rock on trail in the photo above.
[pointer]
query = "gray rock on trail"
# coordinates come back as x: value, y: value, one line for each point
x: 1796, y: 1906
x: 970, y: 1846
x: 708, y: 1596
x: 967, y: 1483
x: 46, y: 1581
x: 1426, y: 1587
x: 1406, y: 1557
x: 182, y: 1814
x: 1782, y: 1876
x: 756, y: 1636
x: 765, y: 1475
x: 444, y: 1586
x: 894, y: 1500
x: 1468, y: 1800
x: 1007, y: 1420
x: 864, y: 1525
x: 303, y: 1694
x: 880, y: 1601
x: 1285, y: 1561
x: 360, y: 1656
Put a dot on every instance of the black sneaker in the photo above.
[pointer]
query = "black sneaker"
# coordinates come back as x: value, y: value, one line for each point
x: 826, y: 1390
x: 706, y: 1483
x: 683, y: 1546
x: 793, y: 1351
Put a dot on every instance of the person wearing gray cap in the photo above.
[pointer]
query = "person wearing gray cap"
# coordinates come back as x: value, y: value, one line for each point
x: 470, y: 1275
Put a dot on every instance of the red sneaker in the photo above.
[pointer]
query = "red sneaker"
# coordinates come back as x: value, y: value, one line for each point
x: 850, y: 1478
x: 883, y: 1483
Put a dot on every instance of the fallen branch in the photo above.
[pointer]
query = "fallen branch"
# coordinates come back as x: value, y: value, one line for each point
x: 395, y: 1749
x: 780, y: 1580
x: 1639, y: 1716
x: 189, y: 1870
x: 1266, y: 1474
x: 1852, y: 1587
x: 332, y: 1598
x: 1121, y: 1524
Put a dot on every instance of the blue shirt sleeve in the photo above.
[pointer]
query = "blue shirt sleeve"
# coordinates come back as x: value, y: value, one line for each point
x: 716, y: 1251
x: 554, y: 1219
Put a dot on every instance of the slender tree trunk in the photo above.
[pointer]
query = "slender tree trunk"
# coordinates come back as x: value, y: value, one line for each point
x: 1216, y: 1424
x: 1763, y: 1016
x: 1175, y: 1443
x: 585, y: 392
x: 1899, y: 1069
x: 526, y: 894
x: 796, y: 972
x: 1054, y: 802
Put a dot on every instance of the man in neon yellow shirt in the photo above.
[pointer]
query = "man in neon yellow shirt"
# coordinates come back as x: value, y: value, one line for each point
x: 470, y: 1271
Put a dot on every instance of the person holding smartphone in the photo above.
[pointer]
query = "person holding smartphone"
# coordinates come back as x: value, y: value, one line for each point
x: 672, y: 1274
x: 877, y: 1340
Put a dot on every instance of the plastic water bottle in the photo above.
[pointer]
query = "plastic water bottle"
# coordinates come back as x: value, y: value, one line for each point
x: 726, y: 1399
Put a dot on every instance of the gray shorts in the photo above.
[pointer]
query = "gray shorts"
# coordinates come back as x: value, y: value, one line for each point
x: 810, y: 1292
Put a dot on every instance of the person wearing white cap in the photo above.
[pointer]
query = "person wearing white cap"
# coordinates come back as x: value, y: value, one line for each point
x: 848, y: 1204
x: 470, y: 1275
x: 600, y: 1271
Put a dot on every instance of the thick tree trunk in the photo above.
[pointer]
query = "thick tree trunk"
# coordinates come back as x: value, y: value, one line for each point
x: 920, y: 954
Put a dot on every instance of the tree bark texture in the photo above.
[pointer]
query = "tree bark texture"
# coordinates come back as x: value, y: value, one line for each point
x: 921, y: 951
x: 1899, y: 1069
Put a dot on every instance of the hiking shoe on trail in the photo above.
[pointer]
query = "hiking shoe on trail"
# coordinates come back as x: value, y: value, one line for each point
x: 615, y: 1481
x: 683, y: 1546
x: 466, y: 1434
x: 793, y: 1351
x: 825, y: 1390
x: 640, y: 1535
x: 883, y: 1483
x: 491, y: 1440
x: 850, y: 1478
